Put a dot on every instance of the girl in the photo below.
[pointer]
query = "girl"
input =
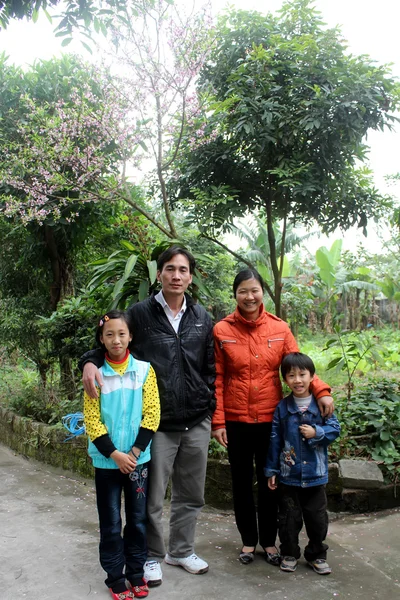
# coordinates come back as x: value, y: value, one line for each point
x: 120, y: 423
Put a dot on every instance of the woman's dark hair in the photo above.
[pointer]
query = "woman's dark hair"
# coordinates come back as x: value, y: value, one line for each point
x: 173, y: 251
x: 112, y: 314
x: 299, y: 360
x: 244, y: 276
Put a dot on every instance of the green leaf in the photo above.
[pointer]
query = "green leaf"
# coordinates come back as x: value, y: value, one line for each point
x: 66, y: 42
x: 202, y: 287
x: 384, y: 435
x: 48, y: 15
x: 127, y: 245
x: 87, y: 47
x: 335, y: 362
x: 118, y: 287
x: 152, y: 267
x: 130, y: 265
x: 143, y: 289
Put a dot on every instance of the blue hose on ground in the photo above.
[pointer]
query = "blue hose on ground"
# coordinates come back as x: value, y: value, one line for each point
x: 74, y: 424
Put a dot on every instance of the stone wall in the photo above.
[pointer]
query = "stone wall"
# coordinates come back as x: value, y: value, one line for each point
x: 47, y: 444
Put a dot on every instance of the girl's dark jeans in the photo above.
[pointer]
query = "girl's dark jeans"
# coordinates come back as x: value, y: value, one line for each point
x: 129, y: 551
x: 297, y: 504
x: 248, y: 447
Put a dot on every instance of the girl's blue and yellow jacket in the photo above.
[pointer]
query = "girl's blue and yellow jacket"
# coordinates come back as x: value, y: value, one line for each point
x: 294, y: 459
x: 128, y: 405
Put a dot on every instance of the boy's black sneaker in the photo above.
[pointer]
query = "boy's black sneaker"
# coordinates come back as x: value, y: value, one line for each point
x: 320, y: 566
x: 289, y: 564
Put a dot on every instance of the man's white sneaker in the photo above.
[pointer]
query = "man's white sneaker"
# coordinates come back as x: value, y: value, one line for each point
x: 193, y: 564
x: 152, y: 573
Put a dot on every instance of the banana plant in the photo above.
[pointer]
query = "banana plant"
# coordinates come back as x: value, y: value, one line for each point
x: 127, y: 276
x: 335, y: 282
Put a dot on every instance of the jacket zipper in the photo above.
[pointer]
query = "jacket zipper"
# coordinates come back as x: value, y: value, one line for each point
x: 275, y: 340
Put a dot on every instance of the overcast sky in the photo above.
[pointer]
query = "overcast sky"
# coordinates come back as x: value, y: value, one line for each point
x: 370, y: 27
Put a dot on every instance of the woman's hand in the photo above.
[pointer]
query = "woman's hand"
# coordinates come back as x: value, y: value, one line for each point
x: 90, y: 374
x: 325, y: 405
x: 220, y: 436
x: 272, y: 482
x: 126, y: 462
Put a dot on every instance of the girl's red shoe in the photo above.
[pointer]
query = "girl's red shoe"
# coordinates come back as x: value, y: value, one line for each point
x: 127, y: 595
x: 140, y: 591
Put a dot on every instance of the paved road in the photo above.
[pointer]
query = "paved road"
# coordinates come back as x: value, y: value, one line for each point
x: 49, y: 540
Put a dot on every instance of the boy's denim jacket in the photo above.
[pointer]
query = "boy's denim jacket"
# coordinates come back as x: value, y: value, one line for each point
x: 294, y: 459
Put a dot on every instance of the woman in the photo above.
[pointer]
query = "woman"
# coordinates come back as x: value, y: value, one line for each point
x: 249, y: 347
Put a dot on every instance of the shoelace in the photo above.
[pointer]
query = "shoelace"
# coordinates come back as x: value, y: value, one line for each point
x: 152, y: 565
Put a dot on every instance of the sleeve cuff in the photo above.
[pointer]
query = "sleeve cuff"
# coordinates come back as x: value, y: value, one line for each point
x: 271, y: 472
x: 143, y: 438
x: 104, y: 445
x: 319, y: 435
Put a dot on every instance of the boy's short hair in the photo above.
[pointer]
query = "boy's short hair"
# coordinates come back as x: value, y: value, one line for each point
x: 299, y: 360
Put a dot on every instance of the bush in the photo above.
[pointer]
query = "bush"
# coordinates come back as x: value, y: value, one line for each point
x: 371, y: 424
x: 22, y: 391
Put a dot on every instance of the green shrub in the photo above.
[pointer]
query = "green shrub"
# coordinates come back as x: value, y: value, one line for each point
x: 371, y: 424
x: 30, y: 398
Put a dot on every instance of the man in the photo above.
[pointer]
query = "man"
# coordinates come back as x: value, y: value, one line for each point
x: 175, y: 335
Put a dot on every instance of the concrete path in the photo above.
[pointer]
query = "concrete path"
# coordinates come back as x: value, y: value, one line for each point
x: 49, y: 549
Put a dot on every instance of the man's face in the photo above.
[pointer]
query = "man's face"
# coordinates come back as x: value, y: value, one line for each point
x: 175, y: 275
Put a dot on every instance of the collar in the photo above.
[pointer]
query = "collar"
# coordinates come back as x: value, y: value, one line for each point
x: 161, y: 300
x: 260, y: 319
x: 293, y: 408
x: 118, y: 362
x: 108, y: 370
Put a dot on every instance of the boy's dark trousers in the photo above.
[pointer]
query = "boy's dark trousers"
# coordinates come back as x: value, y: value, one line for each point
x: 295, y: 505
x: 130, y: 551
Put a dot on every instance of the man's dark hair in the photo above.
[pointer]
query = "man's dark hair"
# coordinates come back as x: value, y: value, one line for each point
x: 169, y: 253
x: 299, y: 360
x: 244, y: 276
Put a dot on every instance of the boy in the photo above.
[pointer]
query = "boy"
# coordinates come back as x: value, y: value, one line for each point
x: 298, y: 457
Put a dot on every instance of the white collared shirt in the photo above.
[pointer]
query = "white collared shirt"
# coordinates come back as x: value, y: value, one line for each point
x: 174, y: 320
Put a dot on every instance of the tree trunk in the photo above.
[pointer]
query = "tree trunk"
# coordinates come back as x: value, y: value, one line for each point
x: 67, y: 377
x: 273, y: 257
x: 63, y: 284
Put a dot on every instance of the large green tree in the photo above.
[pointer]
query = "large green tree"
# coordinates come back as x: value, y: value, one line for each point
x: 288, y: 109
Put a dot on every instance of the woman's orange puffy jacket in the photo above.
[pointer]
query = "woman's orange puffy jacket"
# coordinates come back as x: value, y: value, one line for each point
x: 248, y: 355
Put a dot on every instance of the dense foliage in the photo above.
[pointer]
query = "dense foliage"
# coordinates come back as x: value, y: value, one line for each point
x: 286, y: 111
x: 273, y: 136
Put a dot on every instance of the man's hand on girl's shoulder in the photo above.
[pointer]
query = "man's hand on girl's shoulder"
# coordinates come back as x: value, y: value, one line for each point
x: 91, y: 374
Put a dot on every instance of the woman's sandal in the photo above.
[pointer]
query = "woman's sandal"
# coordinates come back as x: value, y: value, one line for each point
x: 246, y: 557
x: 273, y: 558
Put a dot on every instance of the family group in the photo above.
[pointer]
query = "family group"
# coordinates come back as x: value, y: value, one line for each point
x: 162, y: 381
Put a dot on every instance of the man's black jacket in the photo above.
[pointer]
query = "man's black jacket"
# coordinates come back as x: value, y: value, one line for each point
x: 184, y: 361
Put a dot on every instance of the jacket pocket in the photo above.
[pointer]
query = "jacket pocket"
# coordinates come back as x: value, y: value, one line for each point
x: 222, y: 342
x: 272, y: 340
